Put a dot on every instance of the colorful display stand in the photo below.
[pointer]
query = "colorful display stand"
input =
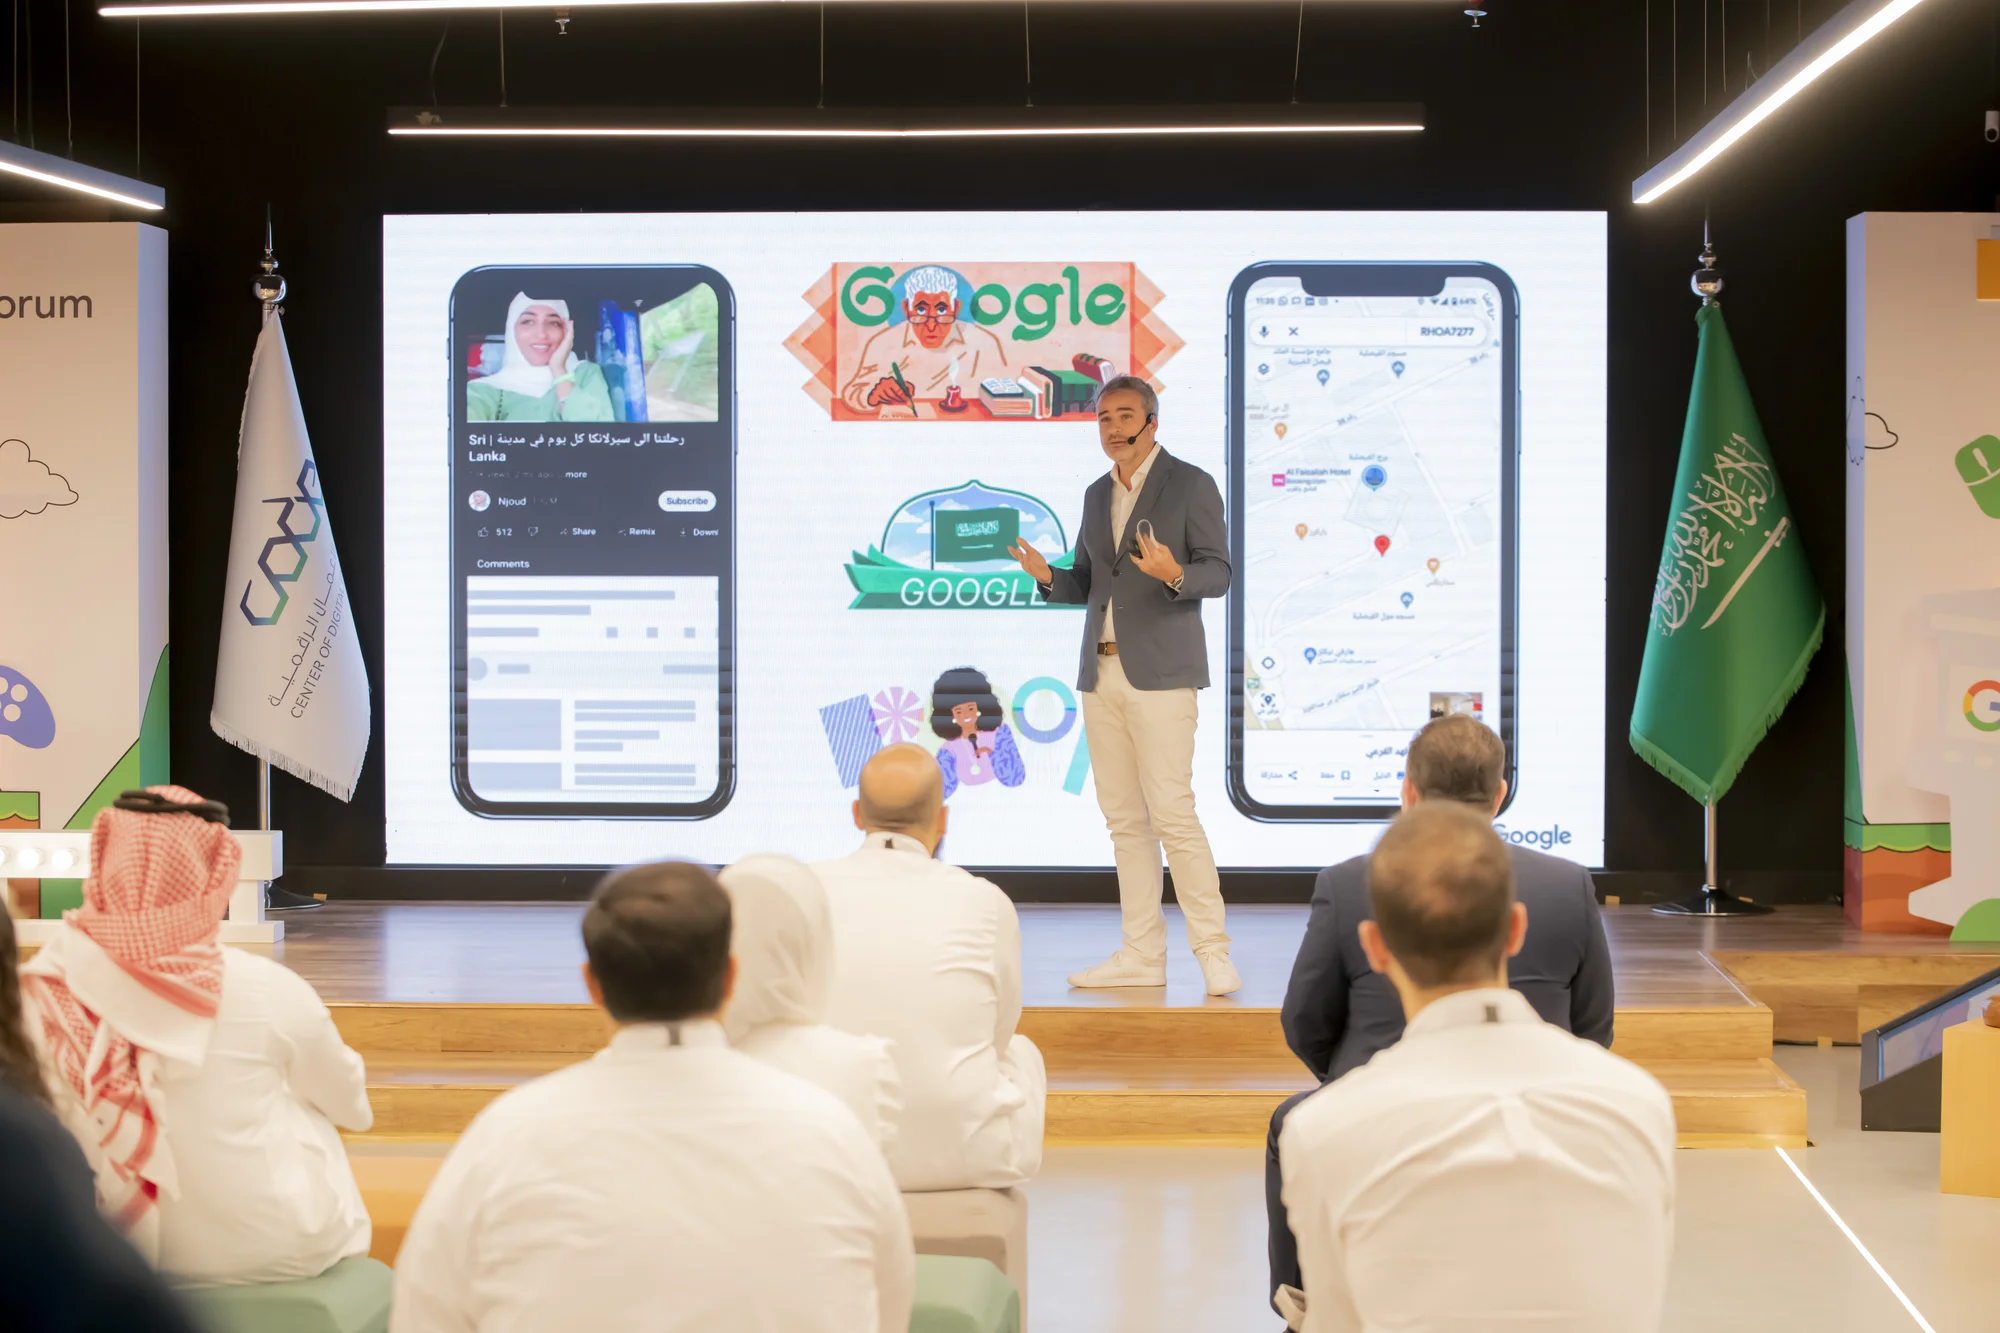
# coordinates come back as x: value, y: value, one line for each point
x: 1923, y: 576
x: 83, y: 528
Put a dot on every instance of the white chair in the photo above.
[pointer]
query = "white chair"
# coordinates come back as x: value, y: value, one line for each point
x: 975, y: 1224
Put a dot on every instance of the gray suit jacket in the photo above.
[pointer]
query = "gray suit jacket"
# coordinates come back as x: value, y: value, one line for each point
x: 1339, y: 1011
x: 1160, y: 642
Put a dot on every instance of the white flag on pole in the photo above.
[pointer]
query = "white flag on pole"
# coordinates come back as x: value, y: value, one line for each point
x: 290, y: 686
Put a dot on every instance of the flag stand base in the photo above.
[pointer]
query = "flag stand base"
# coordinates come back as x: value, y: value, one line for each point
x: 1709, y: 900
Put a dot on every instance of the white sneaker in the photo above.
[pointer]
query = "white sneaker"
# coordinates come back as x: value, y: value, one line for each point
x: 1119, y: 970
x: 1219, y: 974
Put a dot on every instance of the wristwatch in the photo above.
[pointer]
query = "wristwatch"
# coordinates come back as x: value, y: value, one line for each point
x: 1176, y: 584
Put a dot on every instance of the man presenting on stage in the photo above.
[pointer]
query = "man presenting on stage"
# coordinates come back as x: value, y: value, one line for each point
x: 1159, y: 520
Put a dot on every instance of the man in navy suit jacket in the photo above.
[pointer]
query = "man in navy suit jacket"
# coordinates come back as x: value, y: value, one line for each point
x: 1152, y: 545
x: 1339, y: 1012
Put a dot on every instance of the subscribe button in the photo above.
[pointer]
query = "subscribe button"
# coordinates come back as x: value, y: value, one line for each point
x: 687, y: 502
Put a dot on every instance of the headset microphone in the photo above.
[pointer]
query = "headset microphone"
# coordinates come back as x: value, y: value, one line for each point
x: 1134, y: 438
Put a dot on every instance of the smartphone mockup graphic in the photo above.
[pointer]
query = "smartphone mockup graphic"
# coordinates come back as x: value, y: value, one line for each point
x: 593, y: 541
x: 1373, y: 461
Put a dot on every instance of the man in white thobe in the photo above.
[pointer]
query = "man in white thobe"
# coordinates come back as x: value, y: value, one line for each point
x: 929, y: 956
x: 1489, y: 1170
x: 668, y: 1184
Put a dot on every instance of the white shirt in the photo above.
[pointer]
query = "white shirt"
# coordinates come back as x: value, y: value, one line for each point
x: 781, y: 935
x: 1488, y: 1171
x: 266, y: 1194
x: 857, y: 1070
x: 1123, y: 500
x: 660, y: 1188
x: 929, y: 956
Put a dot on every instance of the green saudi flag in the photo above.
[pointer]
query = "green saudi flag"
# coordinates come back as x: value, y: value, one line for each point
x: 1736, y: 614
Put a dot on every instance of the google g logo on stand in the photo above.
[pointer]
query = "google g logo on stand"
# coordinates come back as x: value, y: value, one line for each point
x: 1990, y: 705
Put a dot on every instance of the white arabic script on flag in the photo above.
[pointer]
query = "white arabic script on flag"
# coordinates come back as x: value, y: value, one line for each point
x: 1728, y: 500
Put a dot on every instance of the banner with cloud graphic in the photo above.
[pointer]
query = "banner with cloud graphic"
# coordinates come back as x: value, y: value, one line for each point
x: 83, y: 528
x: 28, y: 485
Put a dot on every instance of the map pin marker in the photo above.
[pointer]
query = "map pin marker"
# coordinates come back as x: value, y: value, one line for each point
x: 1280, y: 428
x: 1311, y: 653
x: 1407, y: 599
x: 1301, y: 530
x: 1433, y: 563
x: 1373, y: 476
x: 1397, y: 366
x: 1324, y: 376
x: 1382, y: 545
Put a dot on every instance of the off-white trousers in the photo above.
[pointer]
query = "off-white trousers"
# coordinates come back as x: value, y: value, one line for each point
x: 1142, y: 757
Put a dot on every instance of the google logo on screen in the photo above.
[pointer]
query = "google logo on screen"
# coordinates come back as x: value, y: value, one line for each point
x: 1991, y: 706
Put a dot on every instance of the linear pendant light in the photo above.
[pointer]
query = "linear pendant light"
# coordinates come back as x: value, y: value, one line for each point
x: 52, y: 170
x: 260, y: 8
x: 1826, y: 46
x: 902, y: 123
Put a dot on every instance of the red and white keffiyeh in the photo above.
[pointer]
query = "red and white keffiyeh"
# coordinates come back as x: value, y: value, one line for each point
x: 134, y: 981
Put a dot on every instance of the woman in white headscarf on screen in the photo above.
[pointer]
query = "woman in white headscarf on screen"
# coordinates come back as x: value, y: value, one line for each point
x: 782, y: 939
x: 540, y: 377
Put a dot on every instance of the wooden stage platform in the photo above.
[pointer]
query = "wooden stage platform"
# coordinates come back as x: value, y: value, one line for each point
x: 453, y: 1003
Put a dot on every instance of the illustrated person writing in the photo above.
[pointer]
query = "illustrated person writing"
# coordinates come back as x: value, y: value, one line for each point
x: 929, y: 351
x: 540, y: 377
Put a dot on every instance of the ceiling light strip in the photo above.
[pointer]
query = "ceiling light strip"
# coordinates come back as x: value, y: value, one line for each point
x: 909, y: 123
x: 1828, y: 45
x: 804, y: 132
x: 267, y: 8
x: 52, y: 170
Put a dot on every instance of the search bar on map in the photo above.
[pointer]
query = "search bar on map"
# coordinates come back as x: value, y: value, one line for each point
x: 1369, y: 331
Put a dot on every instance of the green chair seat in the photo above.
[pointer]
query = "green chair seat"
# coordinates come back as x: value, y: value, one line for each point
x: 963, y: 1296
x: 350, y: 1297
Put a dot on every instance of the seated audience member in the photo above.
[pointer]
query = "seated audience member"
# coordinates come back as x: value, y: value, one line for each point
x: 667, y: 1183
x: 204, y: 1083
x: 62, y: 1268
x: 782, y: 941
x: 1489, y: 1170
x: 930, y: 957
x: 1339, y: 1011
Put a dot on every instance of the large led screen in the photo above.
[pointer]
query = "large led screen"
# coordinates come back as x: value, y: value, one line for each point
x: 689, y: 514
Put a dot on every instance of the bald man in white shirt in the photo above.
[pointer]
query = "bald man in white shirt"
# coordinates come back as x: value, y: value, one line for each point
x: 668, y: 1184
x: 929, y: 956
x: 1489, y: 1170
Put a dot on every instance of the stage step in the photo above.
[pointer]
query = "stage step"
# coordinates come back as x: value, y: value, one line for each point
x: 1210, y: 1073
x: 1818, y: 994
x: 1064, y: 1033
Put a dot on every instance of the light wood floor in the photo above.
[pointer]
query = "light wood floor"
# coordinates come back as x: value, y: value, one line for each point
x: 530, y: 953
x: 454, y: 1003
x: 1138, y: 1239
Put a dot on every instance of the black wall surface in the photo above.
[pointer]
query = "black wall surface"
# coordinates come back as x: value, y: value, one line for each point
x: 1548, y: 105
